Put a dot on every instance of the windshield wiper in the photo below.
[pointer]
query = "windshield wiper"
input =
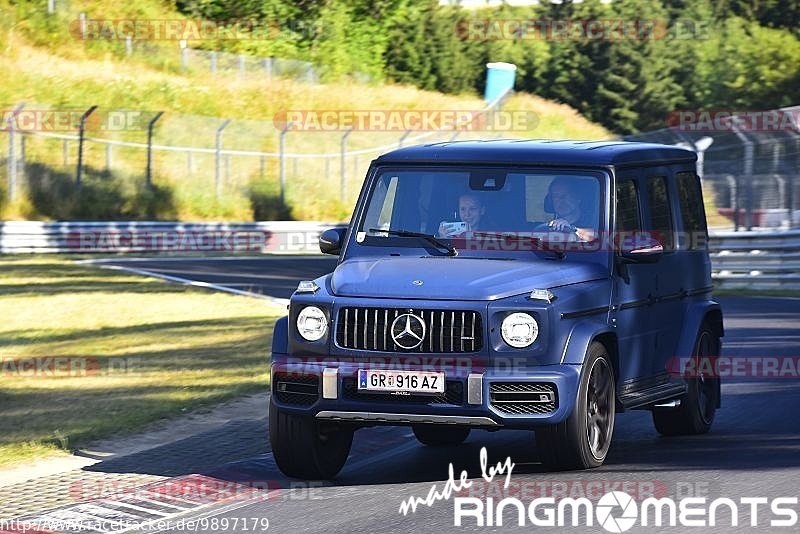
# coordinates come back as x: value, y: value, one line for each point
x: 428, y: 237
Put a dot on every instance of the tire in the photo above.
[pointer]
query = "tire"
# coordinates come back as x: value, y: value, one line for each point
x: 582, y: 441
x: 440, y: 436
x: 306, y: 448
x: 695, y: 415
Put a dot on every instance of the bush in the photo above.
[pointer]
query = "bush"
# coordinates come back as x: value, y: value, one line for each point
x: 3, y: 197
x: 54, y: 194
x: 266, y: 202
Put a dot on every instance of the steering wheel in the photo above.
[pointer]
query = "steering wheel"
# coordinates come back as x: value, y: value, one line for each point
x: 545, y: 227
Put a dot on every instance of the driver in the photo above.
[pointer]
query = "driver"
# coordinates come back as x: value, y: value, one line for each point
x: 569, y: 214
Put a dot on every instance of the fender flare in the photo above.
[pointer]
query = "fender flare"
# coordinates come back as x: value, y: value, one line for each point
x: 696, y: 314
x: 582, y: 335
x: 280, y: 336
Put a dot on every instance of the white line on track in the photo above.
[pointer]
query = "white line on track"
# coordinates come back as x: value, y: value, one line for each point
x: 206, y: 258
x: 196, y: 283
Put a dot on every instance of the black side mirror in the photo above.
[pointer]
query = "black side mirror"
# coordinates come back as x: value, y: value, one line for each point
x: 641, y: 250
x: 330, y: 241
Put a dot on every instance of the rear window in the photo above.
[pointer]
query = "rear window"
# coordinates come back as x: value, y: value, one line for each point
x: 660, y: 217
x: 628, y: 218
x: 693, y: 217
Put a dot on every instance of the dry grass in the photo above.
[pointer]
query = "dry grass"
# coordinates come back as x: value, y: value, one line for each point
x: 140, y: 350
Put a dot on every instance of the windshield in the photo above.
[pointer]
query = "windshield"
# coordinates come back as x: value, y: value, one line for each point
x: 485, y: 209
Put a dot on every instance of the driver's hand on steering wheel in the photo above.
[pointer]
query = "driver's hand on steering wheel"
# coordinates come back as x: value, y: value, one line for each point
x: 561, y: 225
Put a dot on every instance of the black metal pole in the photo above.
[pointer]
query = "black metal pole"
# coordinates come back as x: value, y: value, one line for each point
x: 150, y: 126
x: 81, y: 130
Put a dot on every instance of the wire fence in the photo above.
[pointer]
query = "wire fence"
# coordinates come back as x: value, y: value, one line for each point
x: 205, y: 158
x: 751, y: 176
x: 749, y: 162
x: 168, y: 52
x: 196, y: 61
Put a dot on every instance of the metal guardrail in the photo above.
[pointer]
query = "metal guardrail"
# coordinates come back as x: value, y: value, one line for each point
x: 272, y: 237
x: 755, y: 260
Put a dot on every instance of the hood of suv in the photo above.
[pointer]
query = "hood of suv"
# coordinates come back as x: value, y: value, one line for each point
x: 460, y: 278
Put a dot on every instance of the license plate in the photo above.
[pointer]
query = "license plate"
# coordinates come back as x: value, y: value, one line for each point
x: 410, y: 381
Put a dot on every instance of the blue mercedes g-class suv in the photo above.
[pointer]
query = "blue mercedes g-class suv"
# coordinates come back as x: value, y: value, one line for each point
x: 542, y: 285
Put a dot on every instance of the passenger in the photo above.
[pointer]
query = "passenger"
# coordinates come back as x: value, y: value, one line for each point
x: 471, y: 212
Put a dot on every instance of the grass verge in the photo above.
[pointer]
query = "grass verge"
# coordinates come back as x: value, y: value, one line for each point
x: 86, y: 353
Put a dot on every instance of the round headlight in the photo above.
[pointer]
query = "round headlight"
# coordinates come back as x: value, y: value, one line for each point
x: 312, y: 323
x: 519, y: 330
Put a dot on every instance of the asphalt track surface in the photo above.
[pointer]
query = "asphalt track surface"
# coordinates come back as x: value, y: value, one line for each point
x: 753, y: 449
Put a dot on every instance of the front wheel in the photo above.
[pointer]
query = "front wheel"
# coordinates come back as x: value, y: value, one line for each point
x: 583, y: 439
x: 695, y: 414
x: 306, y: 448
x: 440, y: 436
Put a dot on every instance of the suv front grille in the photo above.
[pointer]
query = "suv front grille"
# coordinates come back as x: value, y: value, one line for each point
x: 453, y: 394
x: 301, y: 390
x: 523, y: 398
x: 445, y: 331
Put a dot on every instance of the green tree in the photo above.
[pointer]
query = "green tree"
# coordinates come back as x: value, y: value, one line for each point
x: 748, y: 66
x: 576, y: 62
x: 425, y: 48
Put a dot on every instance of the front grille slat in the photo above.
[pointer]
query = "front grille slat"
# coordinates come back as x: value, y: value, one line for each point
x: 462, y: 331
x: 355, y: 329
x: 366, y: 327
x: 346, y: 325
x: 375, y: 331
x: 452, y: 331
x: 474, y: 320
x: 445, y: 331
x: 441, y: 332
x: 430, y: 329
x: 385, y: 322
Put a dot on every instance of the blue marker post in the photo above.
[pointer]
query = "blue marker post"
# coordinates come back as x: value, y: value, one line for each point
x: 499, y: 79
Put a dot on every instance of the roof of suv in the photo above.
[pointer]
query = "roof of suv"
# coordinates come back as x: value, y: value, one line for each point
x: 541, y: 152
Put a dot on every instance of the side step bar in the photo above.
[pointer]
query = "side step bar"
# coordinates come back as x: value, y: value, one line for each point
x: 657, y: 394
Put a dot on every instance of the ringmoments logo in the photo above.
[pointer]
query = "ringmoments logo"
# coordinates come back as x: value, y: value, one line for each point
x: 615, y: 511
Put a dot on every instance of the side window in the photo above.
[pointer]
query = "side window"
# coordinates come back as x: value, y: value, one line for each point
x: 660, y: 222
x: 381, y: 208
x: 628, y: 218
x: 693, y: 216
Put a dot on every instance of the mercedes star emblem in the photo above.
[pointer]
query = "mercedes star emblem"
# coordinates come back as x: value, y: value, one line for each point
x: 408, y: 331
